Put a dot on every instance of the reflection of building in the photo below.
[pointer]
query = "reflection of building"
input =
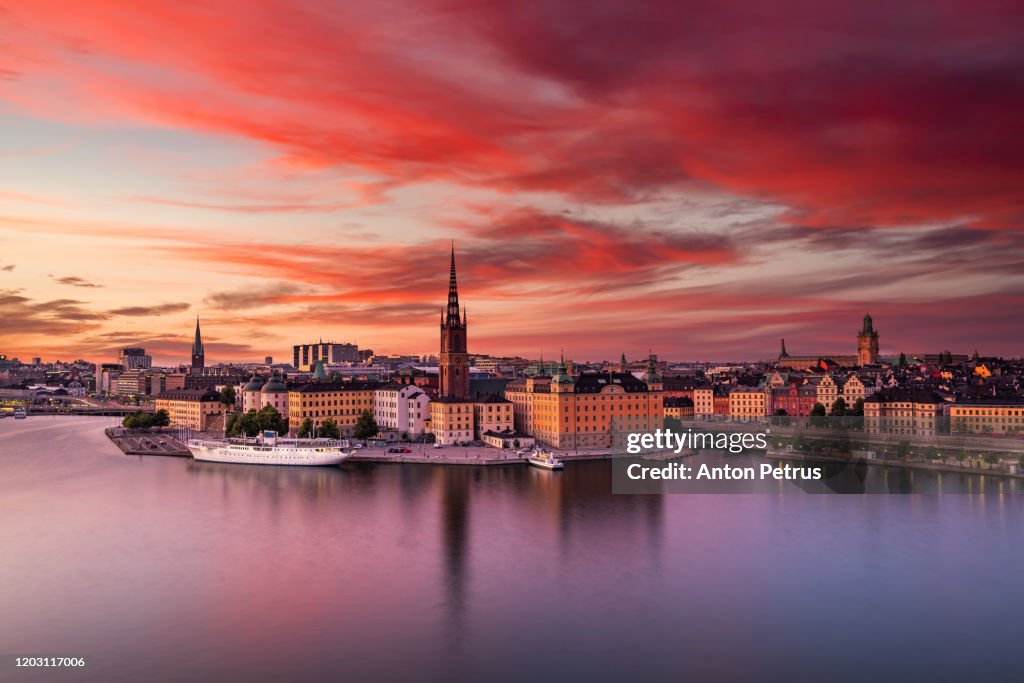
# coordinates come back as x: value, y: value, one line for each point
x: 342, y: 402
x: 451, y: 414
x: 987, y: 416
x: 402, y: 409
x: 867, y: 343
x: 304, y: 356
x: 190, y: 408
x: 902, y: 411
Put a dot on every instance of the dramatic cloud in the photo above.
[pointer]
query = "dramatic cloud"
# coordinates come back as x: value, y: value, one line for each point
x: 8, y: 268
x: 619, y: 174
x: 142, y: 311
x: 74, y: 281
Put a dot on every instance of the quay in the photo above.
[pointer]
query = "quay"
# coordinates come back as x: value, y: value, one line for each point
x: 141, y: 442
x: 800, y: 456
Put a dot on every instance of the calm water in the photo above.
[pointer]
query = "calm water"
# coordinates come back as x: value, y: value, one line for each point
x: 163, y: 569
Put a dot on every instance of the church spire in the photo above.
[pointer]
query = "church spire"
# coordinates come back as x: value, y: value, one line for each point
x: 453, y: 294
x: 198, y: 352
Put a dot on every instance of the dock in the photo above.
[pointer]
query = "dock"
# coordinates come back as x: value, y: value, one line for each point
x: 141, y: 442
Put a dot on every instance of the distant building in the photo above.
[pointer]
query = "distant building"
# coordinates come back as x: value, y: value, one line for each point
x: 867, y: 343
x: 748, y: 403
x: 492, y: 415
x: 198, y: 352
x: 903, y: 411
x: 679, y: 408
x: 305, y: 356
x: 451, y: 414
x: 987, y: 416
x: 134, y: 358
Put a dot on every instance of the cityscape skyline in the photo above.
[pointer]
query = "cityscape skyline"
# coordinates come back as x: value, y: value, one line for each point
x: 609, y: 191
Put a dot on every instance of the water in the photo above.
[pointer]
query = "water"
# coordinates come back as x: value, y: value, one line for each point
x: 162, y: 569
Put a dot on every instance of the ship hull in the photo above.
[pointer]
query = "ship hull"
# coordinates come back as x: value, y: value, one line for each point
x: 309, y: 457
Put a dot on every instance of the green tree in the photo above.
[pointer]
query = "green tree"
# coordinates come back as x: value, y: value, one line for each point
x: 903, y: 450
x: 673, y: 424
x: 160, y: 419
x: 228, y: 396
x: 992, y: 458
x: 818, y: 410
x: 366, y: 426
x: 269, y: 418
x: 329, y: 429
x: 839, y: 407
x: 858, y: 408
x: 306, y: 428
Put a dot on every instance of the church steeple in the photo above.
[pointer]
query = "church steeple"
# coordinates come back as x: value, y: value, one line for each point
x: 198, y: 352
x: 453, y: 370
x: 453, y: 295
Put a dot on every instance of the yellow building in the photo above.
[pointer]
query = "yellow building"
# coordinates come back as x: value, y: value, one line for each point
x: 679, y: 408
x: 594, y: 409
x: 190, y: 408
x: 492, y: 414
x: 520, y: 393
x: 748, y: 403
x: 342, y: 402
x: 451, y: 420
x: 902, y: 411
x: 987, y: 417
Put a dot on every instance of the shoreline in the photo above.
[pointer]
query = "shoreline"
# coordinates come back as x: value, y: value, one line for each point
x: 798, y: 456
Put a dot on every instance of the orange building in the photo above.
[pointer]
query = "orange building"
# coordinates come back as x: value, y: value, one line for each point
x: 591, y: 410
x: 342, y: 402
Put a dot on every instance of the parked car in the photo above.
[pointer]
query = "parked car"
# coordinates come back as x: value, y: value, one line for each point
x: 404, y: 450
x: 396, y: 450
x: 437, y: 445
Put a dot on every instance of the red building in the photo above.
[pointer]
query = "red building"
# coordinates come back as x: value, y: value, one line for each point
x: 796, y: 399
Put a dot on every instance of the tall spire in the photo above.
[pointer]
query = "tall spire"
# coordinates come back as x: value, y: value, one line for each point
x: 197, y: 345
x: 453, y: 294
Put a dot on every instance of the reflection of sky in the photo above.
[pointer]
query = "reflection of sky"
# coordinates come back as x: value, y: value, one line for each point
x: 154, y: 565
x: 699, y: 197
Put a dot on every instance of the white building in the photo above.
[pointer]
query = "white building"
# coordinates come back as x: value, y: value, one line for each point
x: 401, y: 409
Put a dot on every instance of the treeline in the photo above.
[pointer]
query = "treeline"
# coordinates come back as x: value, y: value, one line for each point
x: 256, y: 421
x: 141, y: 420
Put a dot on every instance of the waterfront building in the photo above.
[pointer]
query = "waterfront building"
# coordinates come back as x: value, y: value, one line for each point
x: 987, y: 416
x: 867, y: 343
x: 903, y: 411
x: 342, y: 402
x: 595, y: 409
x: 139, y: 383
x: 191, y: 408
x: 451, y: 420
x: 305, y: 356
x: 198, y: 352
x: 134, y: 358
x: 703, y: 402
x: 748, y: 403
x: 679, y: 408
x: 795, y: 399
x: 492, y: 414
x: 520, y: 393
x: 275, y: 393
x: 402, y: 409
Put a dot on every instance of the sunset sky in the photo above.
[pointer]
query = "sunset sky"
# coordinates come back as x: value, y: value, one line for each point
x: 697, y: 178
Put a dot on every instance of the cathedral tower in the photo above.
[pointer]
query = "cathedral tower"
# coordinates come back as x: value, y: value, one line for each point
x: 453, y: 372
x: 867, y: 343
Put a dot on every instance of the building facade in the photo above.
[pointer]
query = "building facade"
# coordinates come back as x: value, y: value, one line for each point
x: 342, y: 402
x: 988, y: 416
x: 903, y: 411
x: 451, y: 420
x: 304, y: 356
x: 190, y: 408
x: 404, y: 409
x: 867, y: 343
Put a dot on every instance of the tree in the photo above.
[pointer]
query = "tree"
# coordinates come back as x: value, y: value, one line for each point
x: 270, y: 418
x: 160, y: 419
x: 858, y: 408
x: 903, y: 450
x: 366, y: 426
x: 818, y: 410
x: 306, y: 428
x: 839, y: 407
x: 228, y: 396
x: 329, y: 429
x: 781, y: 412
x: 141, y: 420
x: 992, y: 458
x: 673, y: 424
x: 903, y: 360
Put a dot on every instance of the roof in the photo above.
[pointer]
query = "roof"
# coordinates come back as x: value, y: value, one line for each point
x: 319, y: 387
x: 190, y: 395
x: 901, y: 395
x: 594, y: 382
x: 492, y: 398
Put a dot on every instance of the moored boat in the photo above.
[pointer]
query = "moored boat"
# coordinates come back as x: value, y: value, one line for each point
x: 20, y: 413
x: 270, y: 449
x: 545, y: 460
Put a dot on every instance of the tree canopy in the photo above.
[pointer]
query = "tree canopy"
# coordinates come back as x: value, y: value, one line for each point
x: 141, y: 420
x: 366, y: 426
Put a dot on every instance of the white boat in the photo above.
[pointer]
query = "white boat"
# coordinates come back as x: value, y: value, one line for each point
x: 270, y: 449
x: 20, y: 413
x: 545, y: 460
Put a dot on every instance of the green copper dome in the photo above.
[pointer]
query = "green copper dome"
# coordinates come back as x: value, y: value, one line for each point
x: 254, y: 384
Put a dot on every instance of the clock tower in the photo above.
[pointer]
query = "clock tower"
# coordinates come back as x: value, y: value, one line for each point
x: 453, y: 371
